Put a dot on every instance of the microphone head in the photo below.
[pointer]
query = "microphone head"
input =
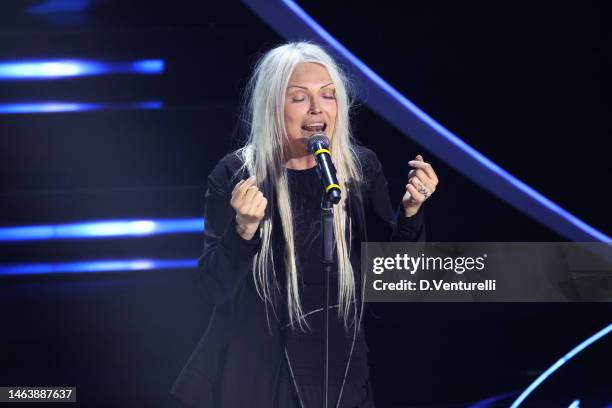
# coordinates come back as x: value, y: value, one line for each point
x: 317, y: 141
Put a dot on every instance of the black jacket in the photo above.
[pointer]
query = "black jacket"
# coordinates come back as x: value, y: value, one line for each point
x: 237, y: 361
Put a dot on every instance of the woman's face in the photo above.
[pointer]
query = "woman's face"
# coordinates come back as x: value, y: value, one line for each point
x: 310, y: 104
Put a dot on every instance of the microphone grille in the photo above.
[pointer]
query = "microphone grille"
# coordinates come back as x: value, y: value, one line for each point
x: 318, y: 139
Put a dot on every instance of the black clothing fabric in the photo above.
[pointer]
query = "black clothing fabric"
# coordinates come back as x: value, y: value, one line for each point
x: 305, y: 348
x: 240, y: 360
x: 355, y: 395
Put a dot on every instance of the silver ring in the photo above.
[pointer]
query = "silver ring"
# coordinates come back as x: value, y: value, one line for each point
x: 423, y: 191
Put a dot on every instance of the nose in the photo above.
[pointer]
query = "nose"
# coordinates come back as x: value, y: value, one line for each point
x: 315, y: 108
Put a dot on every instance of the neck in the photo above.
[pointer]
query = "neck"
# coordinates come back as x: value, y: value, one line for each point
x: 301, y: 162
x: 298, y: 158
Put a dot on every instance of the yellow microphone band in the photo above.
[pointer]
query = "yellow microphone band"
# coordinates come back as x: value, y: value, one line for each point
x: 321, y: 151
x: 332, y: 186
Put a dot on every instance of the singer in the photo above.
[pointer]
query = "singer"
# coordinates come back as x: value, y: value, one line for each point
x: 261, y: 263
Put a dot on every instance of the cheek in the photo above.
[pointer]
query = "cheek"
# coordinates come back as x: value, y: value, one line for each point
x: 332, y: 109
x: 333, y: 113
x: 293, y: 119
x: 293, y: 114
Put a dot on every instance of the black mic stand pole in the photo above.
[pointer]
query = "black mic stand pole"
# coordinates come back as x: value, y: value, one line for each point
x: 318, y: 145
x: 327, y: 227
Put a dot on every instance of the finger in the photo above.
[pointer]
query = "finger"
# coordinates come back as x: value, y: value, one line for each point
x: 260, y: 210
x: 237, y: 186
x: 414, y: 182
x: 423, y: 191
x: 248, y: 199
x: 426, y: 168
x: 251, y: 206
x: 419, y: 179
x: 425, y: 180
x: 241, y: 196
x: 419, y: 158
x: 238, y: 192
x: 415, y: 195
x: 417, y: 183
x: 419, y: 195
x: 419, y: 172
x: 246, y: 185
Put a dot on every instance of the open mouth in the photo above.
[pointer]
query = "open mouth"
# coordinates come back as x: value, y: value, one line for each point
x: 315, y: 127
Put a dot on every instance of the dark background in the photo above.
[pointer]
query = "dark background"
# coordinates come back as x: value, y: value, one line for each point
x: 526, y: 84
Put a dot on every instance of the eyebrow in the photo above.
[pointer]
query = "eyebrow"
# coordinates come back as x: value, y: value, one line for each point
x: 303, y: 87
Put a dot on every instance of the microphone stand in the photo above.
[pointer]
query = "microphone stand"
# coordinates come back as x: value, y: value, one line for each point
x: 318, y: 145
x: 327, y: 227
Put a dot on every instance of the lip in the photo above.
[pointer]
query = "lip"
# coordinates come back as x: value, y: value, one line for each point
x: 322, y: 124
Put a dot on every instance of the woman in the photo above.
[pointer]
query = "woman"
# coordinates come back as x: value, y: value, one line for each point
x: 262, y: 249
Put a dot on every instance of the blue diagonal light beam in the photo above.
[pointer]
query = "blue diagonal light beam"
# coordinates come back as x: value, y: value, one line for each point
x: 292, y: 22
x: 69, y: 68
x: 64, y: 107
x: 101, y: 229
x: 572, y: 353
x: 96, y: 266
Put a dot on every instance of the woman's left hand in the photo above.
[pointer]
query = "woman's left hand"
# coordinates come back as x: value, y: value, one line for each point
x: 422, y: 182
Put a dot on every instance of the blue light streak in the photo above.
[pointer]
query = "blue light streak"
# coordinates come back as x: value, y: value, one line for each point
x: 121, y: 265
x: 586, y: 343
x: 491, y: 401
x: 148, y: 66
x: 291, y: 21
x: 57, y: 69
x: 61, y: 107
x: 101, y: 229
x: 575, y: 404
x: 59, y: 6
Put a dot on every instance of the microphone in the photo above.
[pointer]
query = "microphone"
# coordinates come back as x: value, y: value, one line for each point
x: 318, y: 145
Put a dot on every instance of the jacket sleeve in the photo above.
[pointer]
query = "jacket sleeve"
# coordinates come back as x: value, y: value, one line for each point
x: 227, y: 257
x: 382, y: 226
x: 380, y: 221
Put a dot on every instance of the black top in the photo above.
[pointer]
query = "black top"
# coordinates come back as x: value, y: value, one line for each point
x: 239, y: 360
x: 305, y: 348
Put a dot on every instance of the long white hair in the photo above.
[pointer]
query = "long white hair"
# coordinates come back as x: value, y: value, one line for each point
x: 263, y: 156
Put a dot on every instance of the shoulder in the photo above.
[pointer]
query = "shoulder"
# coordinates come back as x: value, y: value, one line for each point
x: 369, y: 162
x: 226, y: 173
x: 365, y: 155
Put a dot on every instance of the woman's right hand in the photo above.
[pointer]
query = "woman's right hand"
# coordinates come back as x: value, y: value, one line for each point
x: 250, y: 206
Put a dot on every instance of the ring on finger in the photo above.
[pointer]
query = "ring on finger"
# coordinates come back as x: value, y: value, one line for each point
x: 423, y: 191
